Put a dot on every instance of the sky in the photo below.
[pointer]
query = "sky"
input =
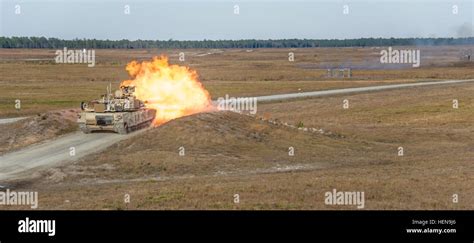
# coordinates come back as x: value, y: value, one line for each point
x: 217, y: 20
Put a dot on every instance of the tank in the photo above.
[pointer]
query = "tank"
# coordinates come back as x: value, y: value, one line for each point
x: 120, y: 112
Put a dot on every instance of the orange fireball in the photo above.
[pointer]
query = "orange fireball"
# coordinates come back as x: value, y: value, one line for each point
x: 172, y: 90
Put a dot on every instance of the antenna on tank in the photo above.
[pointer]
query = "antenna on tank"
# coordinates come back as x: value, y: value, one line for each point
x: 109, y: 92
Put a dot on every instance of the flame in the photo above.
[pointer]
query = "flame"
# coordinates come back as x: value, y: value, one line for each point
x: 172, y: 90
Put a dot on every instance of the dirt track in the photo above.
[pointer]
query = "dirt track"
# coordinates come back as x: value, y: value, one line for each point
x: 11, y: 120
x: 53, y: 152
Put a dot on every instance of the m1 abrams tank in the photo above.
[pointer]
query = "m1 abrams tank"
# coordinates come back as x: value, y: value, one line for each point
x: 121, y: 113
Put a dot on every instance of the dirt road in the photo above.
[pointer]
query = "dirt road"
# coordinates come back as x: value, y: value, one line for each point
x: 50, y: 153
x: 279, y: 97
x: 10, y: 120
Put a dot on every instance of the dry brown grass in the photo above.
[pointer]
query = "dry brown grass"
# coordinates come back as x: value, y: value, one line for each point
x: 228, y: 153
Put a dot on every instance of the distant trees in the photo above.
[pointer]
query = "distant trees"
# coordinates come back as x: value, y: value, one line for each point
x: 54, y: 43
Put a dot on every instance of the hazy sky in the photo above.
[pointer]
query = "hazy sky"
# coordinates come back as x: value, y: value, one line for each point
x: 197, y: 20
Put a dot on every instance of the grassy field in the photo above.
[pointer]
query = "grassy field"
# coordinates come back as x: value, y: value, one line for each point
x: 42, y: 85
x: 353, y: 149
x: 228, y: 154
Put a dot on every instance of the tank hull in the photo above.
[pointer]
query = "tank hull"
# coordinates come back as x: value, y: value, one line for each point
x: 119, y: 122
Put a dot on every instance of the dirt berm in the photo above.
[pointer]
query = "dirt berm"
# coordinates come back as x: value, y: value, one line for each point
x: 37, y: 128
x: 209, y: 144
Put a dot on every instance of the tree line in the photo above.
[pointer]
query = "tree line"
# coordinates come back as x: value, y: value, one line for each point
x: 55, y: 43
